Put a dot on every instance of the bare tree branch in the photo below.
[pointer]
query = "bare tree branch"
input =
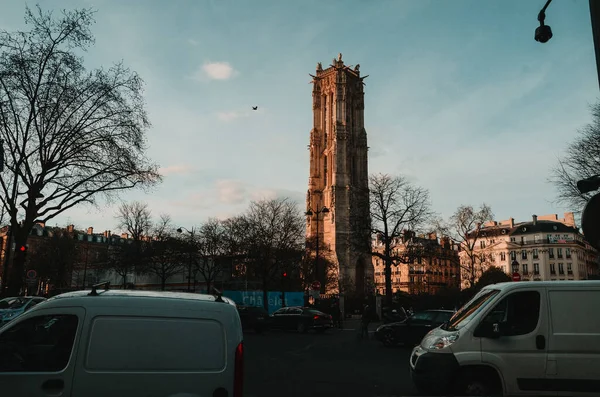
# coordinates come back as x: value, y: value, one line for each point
x: 580, y: 161
x: 70, y: 135
x: 396, y: 206
x: 134, y: 218
x: 465, y: 227
x: 166, y: 253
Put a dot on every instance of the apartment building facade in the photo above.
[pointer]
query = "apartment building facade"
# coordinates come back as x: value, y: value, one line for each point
x: 427, y: 264
x: 543, y: 249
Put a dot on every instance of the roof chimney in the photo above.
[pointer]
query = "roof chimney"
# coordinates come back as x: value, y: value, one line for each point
x: 534, y: 218
x: 512, y: 222
x: 90, y: 230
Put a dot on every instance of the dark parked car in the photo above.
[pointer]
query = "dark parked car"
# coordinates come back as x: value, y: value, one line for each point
x: 413, y: 329
x: 255, y: 318
x: 301, y: 319
x: 12, y: 307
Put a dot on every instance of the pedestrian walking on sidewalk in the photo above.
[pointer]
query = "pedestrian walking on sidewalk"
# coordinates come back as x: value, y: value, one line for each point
x: 365, y: 320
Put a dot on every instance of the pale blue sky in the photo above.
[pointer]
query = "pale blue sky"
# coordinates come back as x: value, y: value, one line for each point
x: 460, y: 97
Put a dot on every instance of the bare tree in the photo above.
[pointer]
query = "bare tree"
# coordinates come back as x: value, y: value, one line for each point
x: 71, y: 136
x: 213, y: 247
x: 272, y: 228
x: 166, y: 253
x: 134, y: 218
x: 396, y: 205
x: 465, y: 227
x: 580, y: 161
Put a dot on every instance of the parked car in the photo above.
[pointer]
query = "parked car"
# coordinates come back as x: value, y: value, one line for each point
x: 124, y: 343
x: 302, y: 319
x: 254, y: 318
x: 411, y: 330
x: 11, y: 308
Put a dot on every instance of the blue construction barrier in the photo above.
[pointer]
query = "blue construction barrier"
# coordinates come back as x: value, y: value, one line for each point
x: 255, y: 298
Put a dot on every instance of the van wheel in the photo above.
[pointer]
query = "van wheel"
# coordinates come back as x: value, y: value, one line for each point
x: 478, y: 383
x: 302, y: 328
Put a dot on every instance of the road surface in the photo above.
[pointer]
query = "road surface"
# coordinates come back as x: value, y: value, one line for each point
x: 288, y: 364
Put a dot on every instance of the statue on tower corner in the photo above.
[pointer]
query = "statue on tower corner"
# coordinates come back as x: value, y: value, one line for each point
x: 319, y: 67
x: 357, y: 68
x: 340, y: 57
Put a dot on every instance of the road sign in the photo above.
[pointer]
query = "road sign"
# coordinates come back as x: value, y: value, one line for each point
x: 31, y: 282
x: 31, y: 274
x: 316, y: 285
x: 516, y: 276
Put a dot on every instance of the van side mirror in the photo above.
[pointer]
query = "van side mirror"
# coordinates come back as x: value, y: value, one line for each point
x: 488, y: 330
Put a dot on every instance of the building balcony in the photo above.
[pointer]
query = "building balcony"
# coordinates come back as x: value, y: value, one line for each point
x: 548, y: 241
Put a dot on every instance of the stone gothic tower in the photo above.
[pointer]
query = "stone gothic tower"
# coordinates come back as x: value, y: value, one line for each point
x: 339, y: 176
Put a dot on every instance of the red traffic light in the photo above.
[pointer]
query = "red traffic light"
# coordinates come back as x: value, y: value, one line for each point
x: 22, y: 248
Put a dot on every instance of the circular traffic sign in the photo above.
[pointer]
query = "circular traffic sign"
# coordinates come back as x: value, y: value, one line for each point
x: 31, y: 274
x: 516, y: 276
x: 316, y: 285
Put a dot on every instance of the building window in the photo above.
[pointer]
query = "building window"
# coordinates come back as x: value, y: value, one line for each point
x: 325, y: 170
x: 525, y: 268
x: 513, y: 255
x: 536, y: 268
x: 537, y: 238
x: 552, y: 268
x: 569, y: 268
x: 523, y: 254
x: 515, y: 268
x: 551, y: 253
x: 559, y: 253
x: 568, y: 253
x: 535, y: 253
x: 482, y: 244
x: 512, y: 240
x: 503, y: 256
x: 561, y: 268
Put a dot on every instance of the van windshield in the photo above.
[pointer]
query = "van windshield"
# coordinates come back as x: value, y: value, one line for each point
x: 465, y: 314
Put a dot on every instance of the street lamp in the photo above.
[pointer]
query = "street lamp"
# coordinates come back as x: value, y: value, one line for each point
x: 180, y: 230
x: 310, y: 213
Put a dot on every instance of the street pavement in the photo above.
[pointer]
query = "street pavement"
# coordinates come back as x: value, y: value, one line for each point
x: 288, y: 364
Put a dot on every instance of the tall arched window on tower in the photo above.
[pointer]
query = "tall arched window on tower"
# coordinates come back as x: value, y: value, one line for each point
x: 325, y: 177
x: 325, y: 127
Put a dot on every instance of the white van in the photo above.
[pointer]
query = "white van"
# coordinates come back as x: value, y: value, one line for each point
x: 537, y: 338
x: 124, y: 344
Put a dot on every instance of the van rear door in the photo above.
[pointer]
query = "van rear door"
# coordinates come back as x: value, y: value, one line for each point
x: 155, y: 356
x: 38, y: 350
x: 574, y: 343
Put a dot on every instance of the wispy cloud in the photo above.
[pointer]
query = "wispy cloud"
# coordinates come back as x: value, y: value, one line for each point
x: 215, y: 71
x: 175, y: 169
x: 230, y: 116
x: 231, y: 191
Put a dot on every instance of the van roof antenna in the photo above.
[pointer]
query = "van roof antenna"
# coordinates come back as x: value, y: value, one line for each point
x: 94, y: 292
x: 218, y: 295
